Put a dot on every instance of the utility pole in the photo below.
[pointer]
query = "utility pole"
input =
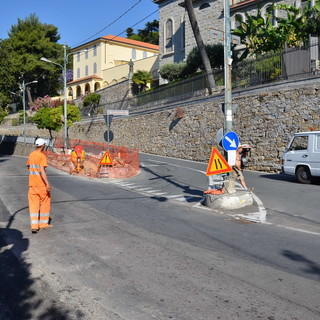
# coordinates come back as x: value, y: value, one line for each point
x: 65, y: 110
x: 227, y: 68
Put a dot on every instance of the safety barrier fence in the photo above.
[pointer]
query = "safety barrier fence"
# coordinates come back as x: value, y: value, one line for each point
x: 124, y: 162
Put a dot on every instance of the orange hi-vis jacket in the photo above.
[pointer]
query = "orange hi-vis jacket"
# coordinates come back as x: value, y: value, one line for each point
x: 36, y: 160
x: 38, y: 196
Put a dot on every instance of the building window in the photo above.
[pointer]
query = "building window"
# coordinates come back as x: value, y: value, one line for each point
x: 78, y: 56
x: 95, y: 50
x: 133, y: 54
x: 95, y: 68
x: 169, y: 36
x: 183, y: 34
x: 86, y: 70
x: 204, y: 6
x: 86, y: 53
x: 78, y: 73
x: 145, y: 54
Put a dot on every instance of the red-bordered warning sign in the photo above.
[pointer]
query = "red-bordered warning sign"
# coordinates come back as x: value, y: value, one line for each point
x: 106, y: 159
x: 217, y: 164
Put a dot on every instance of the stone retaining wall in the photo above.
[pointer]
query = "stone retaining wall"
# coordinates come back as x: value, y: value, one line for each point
x: 265, y: 119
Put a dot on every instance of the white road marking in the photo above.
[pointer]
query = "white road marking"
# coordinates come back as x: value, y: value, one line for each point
x: 158, y: 193
x: 143, y: 189
x: 152, y: 192
x: 173, y: 196
x: 296, y: 229
x: 176, y: 165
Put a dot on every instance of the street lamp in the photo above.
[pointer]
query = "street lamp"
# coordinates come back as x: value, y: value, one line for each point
x: 64, y: 73
x: 24, y: 85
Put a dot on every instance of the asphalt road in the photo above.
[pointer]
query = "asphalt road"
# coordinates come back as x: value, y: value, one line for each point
x: 144, y: 249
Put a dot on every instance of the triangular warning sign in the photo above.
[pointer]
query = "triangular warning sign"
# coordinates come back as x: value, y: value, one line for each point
x: 106, y: 159
x: 217, y: 164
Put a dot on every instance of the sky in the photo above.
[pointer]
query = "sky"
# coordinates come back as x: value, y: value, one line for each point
x: 80, y: 21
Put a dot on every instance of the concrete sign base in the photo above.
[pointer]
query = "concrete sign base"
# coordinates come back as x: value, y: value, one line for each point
x: 226, y: 201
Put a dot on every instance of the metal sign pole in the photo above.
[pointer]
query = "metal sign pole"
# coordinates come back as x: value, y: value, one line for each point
x: 227, y: 67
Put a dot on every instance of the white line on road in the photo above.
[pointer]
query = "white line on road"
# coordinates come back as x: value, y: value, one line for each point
x: 176, y: 165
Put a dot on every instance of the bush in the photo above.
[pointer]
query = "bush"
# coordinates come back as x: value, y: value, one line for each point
x: 172, y: 71
x: 3, y: 114
x: 215, y: 54
x: 29, y: 119
x: 45, y: 102
x: 15, y: 122
x: 92, y: 99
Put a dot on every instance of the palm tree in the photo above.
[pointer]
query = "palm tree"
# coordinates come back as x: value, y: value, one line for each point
x: 200, y: 44
x: 257, y: 33
x: 142, y: 78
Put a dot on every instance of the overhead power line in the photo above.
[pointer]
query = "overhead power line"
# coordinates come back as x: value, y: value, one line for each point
x: 137, y: 22
x: 110, y: 24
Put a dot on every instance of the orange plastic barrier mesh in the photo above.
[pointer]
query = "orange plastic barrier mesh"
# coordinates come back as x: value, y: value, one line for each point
x: 125, y: 162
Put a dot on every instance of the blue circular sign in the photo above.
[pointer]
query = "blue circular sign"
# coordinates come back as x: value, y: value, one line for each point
x: 230, y: 141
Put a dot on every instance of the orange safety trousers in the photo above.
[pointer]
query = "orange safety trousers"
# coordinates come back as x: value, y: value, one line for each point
x: 39, y: 207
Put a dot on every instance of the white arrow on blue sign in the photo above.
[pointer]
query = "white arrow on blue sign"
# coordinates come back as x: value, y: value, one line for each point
x: 230, y: 141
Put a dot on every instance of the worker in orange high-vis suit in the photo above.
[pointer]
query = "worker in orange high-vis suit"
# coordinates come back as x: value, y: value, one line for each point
x: 39, y: 189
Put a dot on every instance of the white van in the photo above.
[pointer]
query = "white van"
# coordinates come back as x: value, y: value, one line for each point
x: 302, y: 156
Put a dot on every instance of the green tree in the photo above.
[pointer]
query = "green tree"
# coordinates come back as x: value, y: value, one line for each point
x: 312, y: 25
x: 3, y: 113
x: 149, y: 34
x: 92, y: 99
x: 28, y: 41
x: 172, y: 71
x: 215, y: 53
x: 129, y: 32
x: 46, y: 118
x: 49, y: 114
x: 91, y: 103
x: 7, y: 79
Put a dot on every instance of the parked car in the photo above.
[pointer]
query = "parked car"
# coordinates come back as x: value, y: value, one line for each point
x: 302, y: 156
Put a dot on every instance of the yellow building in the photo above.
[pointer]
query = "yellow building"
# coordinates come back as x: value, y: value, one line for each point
x: 105, y: 61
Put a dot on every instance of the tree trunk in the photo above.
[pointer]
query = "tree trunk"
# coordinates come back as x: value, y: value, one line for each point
x: 200, y: 44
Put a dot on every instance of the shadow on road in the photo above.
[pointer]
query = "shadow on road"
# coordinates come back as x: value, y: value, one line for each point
x: 19, y: 296
x: 309, y: 265
x: 185, y: 188
x: 283, y: 177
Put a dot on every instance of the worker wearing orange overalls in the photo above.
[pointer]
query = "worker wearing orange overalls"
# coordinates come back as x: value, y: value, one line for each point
x: 39, y: 189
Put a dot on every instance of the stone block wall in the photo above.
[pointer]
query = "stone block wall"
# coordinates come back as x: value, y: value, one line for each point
x: 265, y: 118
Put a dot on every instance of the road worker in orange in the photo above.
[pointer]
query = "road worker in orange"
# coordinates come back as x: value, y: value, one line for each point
x: 39, y: 189
x: 78, y: 156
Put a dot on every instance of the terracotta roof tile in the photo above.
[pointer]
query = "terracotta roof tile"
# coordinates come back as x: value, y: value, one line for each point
x: 130, y: 41
x: 85, y: 78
